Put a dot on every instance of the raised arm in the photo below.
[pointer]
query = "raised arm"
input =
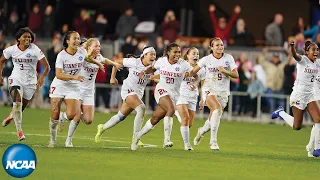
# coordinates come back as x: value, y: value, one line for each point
x: 296, y: 56
x: 213, y: 18
x: 117, y: 65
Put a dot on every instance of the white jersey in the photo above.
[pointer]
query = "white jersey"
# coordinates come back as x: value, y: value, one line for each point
x: 215, y: 80
x: 171, y: 75
x: 185, y: 85
x: 70, y: 64
x: 89, y: 72
x: 24, y: 63
x: 307, y: 72
x: 133, y: 82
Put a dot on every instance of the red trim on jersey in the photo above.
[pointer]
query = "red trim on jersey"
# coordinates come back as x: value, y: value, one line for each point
x: 170, y: 62
x: 216, y: 57
x: 21, y: 49
x: 310, y: 59
x: 142, y: 62
x: 69, y: 53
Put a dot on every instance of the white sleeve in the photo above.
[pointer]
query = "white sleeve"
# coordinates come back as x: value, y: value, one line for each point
x: 232, y: 64
x: 39, y: 54
x: 202, y: 62
x: 158, y: 63
x: 59, y: 61
x: 8, y: 52
x: 303, y: 60
x: 187, y: 66
x: 202, y: 74
x: 129, y: 62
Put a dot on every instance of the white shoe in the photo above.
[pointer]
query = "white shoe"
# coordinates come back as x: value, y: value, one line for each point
x: 188, y: 147
x: 52, y: 144
x: 167, y: 144
x: 310, y: 150
x: 134, y: 144
x: 214, y: 147
x: 68, y: 144
x: 197, y: 139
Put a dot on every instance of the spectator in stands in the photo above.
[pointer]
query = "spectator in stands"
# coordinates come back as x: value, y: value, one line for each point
x: 313, y: 32
x: 2, y: 42
x: 318, y: 39
x: 159, y: 46
x: 13, y: 24
x: 221, y: 28
x: 83, y: 24
x: 103, y: 93
x: 170, y: 27
x: 35, y: 19
x: 63, y: 31
x: 274, y: 81
x: 259, y: 72
x: 289, y: 75
x: 100, y: 27
x: 254, y: 89
x: 48, y: 23
x: 274, y: 32
x: 6, y: 72
x: 128, y: 47
x: 126, y: 24
x: 204, y: 50
x: 244, y: 69
x: 240, y: 36
x: 52, y: 56
x: 299, y: 27
x: 299, y: 39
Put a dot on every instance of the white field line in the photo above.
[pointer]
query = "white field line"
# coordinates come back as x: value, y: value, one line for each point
x: 85, y: 138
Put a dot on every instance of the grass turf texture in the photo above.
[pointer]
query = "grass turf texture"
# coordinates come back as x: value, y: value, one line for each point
x: 247, y: 151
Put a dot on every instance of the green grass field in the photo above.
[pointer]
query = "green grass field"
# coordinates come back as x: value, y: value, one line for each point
x: 247, y: 151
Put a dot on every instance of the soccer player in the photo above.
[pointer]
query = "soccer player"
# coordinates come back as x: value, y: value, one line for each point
x: 132, y: 91
x: 23, y: 80
x: 171, y: 69
x: 65, y: 86
x: 302, y: 97
x: 220, y: 67
x: 187, y: 102
x: 87, y: 88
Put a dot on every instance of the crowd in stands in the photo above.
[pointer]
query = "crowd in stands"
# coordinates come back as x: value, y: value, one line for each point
x: 260, y: 74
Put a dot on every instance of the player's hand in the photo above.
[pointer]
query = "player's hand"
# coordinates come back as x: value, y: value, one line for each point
x: 113, y: 81
x: 212, y: 8
x: 79, y: 78
x: 237, y: 9
x: 101, y: 67
x: 94, y: 53
x: 292, y: 43
x: 117, y: 66
x: 141, y: 74
x: 221, y: 69
x: 201, y: 105
x: 40, y: 81
x: 192, y: 87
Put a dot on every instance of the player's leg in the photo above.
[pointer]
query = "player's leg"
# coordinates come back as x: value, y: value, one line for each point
x: 314, y: 110
x: 55, y: 103
x: 74, y: 123
x: 310, y: 145
x: 184, y: 128
x: 16, y: 93
x: 168, y: 105
x: 216, y: 113
x: 124, y: 111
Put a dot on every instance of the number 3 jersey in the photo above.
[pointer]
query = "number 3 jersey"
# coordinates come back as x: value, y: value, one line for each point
x: 24, y: 62
x: 215, y: 80
x: 89, y: 72
x: 70, y: 65
x: 133, y: 82
x: 307, y: 72
x: 171, y: 75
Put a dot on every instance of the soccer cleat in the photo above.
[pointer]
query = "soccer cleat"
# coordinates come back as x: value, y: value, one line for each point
x: 140, y: 143
x: 188, y: 147
x: 167, y: 144
x: 197, y: 139
x: 275, y: 114
x: 98, y: 136
x: 21, y: 136
x: 214, y: 147
x: 7, y: 121
x: 61, y: 122
x: 52, y: 144
x: 68, y: 144
x: 134, y: 144
x: 310, y: 151
x: 316, y: 153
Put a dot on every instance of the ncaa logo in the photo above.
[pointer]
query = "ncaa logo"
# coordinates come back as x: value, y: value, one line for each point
x: 177, y: 69
x: 19, y: 160
x: 80, y: 58
x: 28, y: 55
x: 227, y: 63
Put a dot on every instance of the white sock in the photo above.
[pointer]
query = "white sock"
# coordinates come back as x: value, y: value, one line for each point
x: 215, y: 122
x: 113, y: 121
x: 178, y: 116
x: 289, y: 119
x: 317, y: 136
x: 17, y: 114
x: 205, y: 128
x: 138, y: 120
x: 72, y: 129
x: 185, y: 134
x: 53, y: 127
x: 146, y: 128
x: 167, y: 124
x: 312, y: 136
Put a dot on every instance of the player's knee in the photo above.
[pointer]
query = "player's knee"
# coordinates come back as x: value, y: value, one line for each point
x: 296, y: 127
x: 71, y: 115
x: 88, y: 122
x: 16, y: 93
x: 170, y: 112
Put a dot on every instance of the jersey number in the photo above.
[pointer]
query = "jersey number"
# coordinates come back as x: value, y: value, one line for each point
x: 130, y: 91
x: 169, y: 80
x: 141, y: 81
x: 161, y: 91
x: 91, y: 76
x: 219, y: 76
x: 73, y: 72
x: 52, y: 90
x: 21, y: 66
x: 312, y: 78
